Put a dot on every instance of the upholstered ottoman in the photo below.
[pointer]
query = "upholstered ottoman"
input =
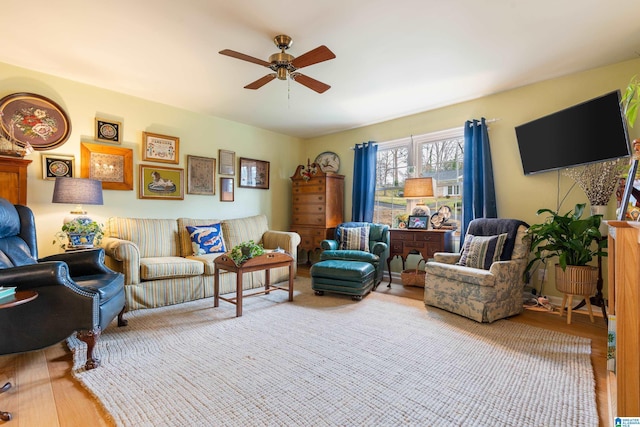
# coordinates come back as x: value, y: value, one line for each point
x: 353, y: 278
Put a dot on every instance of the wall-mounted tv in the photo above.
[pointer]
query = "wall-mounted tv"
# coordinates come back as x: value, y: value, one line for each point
x: 589, y: 132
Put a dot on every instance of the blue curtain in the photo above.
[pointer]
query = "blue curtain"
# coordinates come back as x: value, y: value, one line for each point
x: 364, y: 181
x: 478, y: 190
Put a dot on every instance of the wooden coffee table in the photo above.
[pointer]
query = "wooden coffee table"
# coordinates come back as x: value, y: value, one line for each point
x: 262, y: 262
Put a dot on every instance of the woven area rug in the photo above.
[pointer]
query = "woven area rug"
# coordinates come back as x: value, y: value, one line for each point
x: 330, y: 361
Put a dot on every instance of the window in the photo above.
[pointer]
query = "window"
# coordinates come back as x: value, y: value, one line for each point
x: 438, y: 155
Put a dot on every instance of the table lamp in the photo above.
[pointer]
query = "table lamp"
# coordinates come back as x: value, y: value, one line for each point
x: 419, y: 188
x: 77, y: 191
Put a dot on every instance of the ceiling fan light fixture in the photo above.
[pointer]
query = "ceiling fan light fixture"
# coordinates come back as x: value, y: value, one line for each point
x: 282, y: 73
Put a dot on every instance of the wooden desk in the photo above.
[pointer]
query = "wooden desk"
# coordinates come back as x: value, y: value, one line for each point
x: 263, y: 262
x: 422, y: 242
x: 20, y: 297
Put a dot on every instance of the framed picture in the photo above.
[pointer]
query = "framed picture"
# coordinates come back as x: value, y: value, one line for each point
x: 254, y: 173
x: 108, y: 130
x: 201, y: 175
x: 226, y: 189
x: 32, y: 119
x: 161, y: 182
x: 227, y: 162
x: 160, y: 148
x: 58, y: 166
x: 111, y: 165
x: 418, y: 221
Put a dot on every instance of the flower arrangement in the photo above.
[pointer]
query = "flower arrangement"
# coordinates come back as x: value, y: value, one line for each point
x: 81, y: 230
x: 244, y: 251
x: 35, y: 122
x: 598, y: 180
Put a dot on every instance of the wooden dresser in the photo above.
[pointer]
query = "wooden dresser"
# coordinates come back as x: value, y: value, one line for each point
x: 422, y: 242
x: 13, y: 179
x: 317, y: 206
x: 624, y: 302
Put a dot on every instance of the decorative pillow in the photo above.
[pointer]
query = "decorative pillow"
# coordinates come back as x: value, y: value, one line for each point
x: 354, y: 238
x: 482, y: 251
x: 206, y: 239
x: 468, y: 238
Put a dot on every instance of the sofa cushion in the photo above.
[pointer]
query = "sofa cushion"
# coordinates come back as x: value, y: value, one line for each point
x: 185, y: 240
x: 482, y: 251
x: 206, y: 239
x: 354, y: 238
x: 154, y: 237
x: 240, y: 230
x: 169, y: 267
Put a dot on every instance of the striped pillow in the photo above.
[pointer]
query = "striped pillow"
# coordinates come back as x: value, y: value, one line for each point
x: 354, y: 238
x: 482, y: 251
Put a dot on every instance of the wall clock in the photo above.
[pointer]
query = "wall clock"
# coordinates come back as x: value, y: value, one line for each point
x: 328, y: 161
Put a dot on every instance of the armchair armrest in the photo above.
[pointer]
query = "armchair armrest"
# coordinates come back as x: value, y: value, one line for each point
x: 126, y: 255
x: 82, y: 263
x: 446, y: 257
x: 329, y: 245
x: 286, y: 240
x: 38, y: 275
x: 379, y: 248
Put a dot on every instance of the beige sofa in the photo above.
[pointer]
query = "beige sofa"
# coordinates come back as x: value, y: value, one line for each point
x: 156, y: 257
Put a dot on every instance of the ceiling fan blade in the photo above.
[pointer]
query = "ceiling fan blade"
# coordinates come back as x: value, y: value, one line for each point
x: 238, y: 55
x: 319, y: 54
x: 260, y: 82
x: 312, y: 84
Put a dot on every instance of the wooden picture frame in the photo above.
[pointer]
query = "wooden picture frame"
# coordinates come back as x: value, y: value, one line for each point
x: 161, y: 182
x: 226, y: 162
x: 226, y: 189
x: 32, y: 119
x: 111, y: 165
x: 160, y: 148
x: 58, y: 166
x: 108, y: 130
x: 201, y: 175
x: 253, y: 173
x: 419, y: 222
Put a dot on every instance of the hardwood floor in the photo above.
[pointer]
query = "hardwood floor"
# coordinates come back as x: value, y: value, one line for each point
x: 44, y: 392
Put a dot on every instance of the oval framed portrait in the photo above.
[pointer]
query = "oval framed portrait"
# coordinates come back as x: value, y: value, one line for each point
x: 33, y: 119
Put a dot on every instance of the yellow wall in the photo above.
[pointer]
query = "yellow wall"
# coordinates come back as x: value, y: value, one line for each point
x: 518, y: 196
x: 199, y: 135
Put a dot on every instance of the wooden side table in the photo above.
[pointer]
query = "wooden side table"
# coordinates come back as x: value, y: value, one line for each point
x: 20, y: 297
x: 421, y: 242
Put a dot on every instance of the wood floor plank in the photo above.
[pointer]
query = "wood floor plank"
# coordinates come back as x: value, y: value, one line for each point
x: 37, y: 405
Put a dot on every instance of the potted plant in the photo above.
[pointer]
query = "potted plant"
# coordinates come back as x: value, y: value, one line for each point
x: 630, y: 100
x: 575, y: 241
x: 81, y: 232
x: 244, y: 251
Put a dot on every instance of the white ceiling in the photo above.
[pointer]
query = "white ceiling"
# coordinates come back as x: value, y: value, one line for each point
x: 392, y: 58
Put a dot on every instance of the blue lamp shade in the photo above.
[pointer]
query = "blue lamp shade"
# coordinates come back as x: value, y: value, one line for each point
x: 77, y: 191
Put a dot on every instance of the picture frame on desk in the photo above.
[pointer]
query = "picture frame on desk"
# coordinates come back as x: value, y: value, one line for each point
x: 418, y: 222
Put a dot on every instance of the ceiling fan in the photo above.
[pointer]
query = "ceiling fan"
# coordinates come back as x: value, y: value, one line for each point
x: 284, y: 64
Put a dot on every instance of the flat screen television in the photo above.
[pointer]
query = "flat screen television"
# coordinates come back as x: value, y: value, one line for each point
x: 589, y: 132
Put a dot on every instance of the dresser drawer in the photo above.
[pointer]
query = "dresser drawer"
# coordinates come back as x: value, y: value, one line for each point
x: 308, y: 208
x: 309, y: 219
x: 418, y: 245
x: 302, y: 189
x: 305, y: 199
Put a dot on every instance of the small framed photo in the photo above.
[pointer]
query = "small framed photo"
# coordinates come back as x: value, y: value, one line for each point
x: 111, y: 165
x: 227, y: 162
x: 58, y: 166
x: 226, y: 189
x: 161, y: 182
x: 201, y: 175
x: 108, y: 131
x: 254, y: 173
x: 418, y: 221
x: 160, y: 148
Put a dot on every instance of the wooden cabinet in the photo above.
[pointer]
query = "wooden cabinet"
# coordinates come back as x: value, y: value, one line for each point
x: 422, y: 242
x: 13, y: 180
x: 317, y: 206
x: 624, y: 302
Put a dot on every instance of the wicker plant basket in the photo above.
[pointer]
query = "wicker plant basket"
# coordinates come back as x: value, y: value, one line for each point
x: 577, y: 279
x: 413, y: 277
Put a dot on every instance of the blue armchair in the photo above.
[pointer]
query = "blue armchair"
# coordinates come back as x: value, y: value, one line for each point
x: 376, y: 247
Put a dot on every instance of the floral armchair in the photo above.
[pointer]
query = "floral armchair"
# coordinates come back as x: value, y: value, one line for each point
x: 485, y: 281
